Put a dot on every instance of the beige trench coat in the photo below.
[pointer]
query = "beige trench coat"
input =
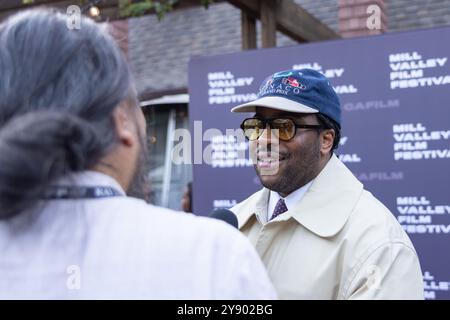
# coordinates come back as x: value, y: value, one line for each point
x: 338, y: 242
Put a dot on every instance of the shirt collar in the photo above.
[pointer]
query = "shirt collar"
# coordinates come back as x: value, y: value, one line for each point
x: 324, y: 208
x: 90, y: 179
x: 294, y: 197
x: 290, y: 200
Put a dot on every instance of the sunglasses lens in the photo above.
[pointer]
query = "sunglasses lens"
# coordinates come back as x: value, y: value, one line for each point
x: 285, y: 127
x: 252, y: 128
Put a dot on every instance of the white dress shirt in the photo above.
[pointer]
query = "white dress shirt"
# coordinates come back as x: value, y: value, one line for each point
x: 121, y: 247
x: 291, y: 199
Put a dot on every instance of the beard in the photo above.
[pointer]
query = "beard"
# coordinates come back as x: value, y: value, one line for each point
x: 295, y: 171
x: 140, y: 184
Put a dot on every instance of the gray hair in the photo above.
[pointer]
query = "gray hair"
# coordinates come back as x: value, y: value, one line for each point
x: 58, y: 89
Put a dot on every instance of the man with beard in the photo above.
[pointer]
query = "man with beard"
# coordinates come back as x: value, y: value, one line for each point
x: 71, y: 148
x: 319, y: 233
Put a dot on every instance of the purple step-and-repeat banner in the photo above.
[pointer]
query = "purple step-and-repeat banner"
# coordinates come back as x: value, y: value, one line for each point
x: 395, y: 97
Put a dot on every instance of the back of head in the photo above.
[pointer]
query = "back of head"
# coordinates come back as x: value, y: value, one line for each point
x: 58, y: 89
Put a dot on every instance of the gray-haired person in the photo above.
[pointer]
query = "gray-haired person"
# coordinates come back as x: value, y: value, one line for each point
x: 71, y: 149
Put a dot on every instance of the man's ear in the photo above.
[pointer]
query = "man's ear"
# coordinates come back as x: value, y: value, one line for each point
x: 124, y: 126
x: 326, y: 141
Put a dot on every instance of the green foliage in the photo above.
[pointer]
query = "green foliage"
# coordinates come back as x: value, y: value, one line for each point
x: 130, y: 9
x: 206, y: 3
x: 135, y: 8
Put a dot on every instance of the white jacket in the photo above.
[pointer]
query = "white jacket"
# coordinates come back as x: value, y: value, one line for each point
x: 338, y: 242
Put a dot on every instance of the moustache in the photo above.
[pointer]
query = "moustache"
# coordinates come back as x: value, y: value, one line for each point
x: 265, y: 155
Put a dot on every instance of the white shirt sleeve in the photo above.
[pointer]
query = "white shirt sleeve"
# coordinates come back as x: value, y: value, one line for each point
x: 246, y: 278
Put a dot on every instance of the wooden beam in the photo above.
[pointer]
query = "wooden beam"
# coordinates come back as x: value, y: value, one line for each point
x: 268, y: 24
x: 248, y: 25
x: 291, y: 19
x: 293, y: 16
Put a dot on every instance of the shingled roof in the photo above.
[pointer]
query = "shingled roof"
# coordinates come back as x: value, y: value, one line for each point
x: 417, y: 14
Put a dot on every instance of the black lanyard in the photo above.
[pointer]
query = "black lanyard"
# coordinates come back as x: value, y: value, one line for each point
x: 80, y: 192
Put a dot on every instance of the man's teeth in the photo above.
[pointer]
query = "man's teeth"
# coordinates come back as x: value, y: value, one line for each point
x: 270, y: 159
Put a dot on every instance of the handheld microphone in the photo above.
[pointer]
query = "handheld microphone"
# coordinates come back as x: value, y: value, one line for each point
x: 225, y: 215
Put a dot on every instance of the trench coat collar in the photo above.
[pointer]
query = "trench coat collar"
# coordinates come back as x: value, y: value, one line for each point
x: 324, y: 209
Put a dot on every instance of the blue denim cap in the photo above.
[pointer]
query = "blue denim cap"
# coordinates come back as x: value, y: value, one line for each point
x: 300, y: 91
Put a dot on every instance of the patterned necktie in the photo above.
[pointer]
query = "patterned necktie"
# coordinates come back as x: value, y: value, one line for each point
x: 279, y: 209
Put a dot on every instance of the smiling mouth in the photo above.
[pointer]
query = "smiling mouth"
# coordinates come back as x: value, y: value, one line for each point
x: 269, y: 160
